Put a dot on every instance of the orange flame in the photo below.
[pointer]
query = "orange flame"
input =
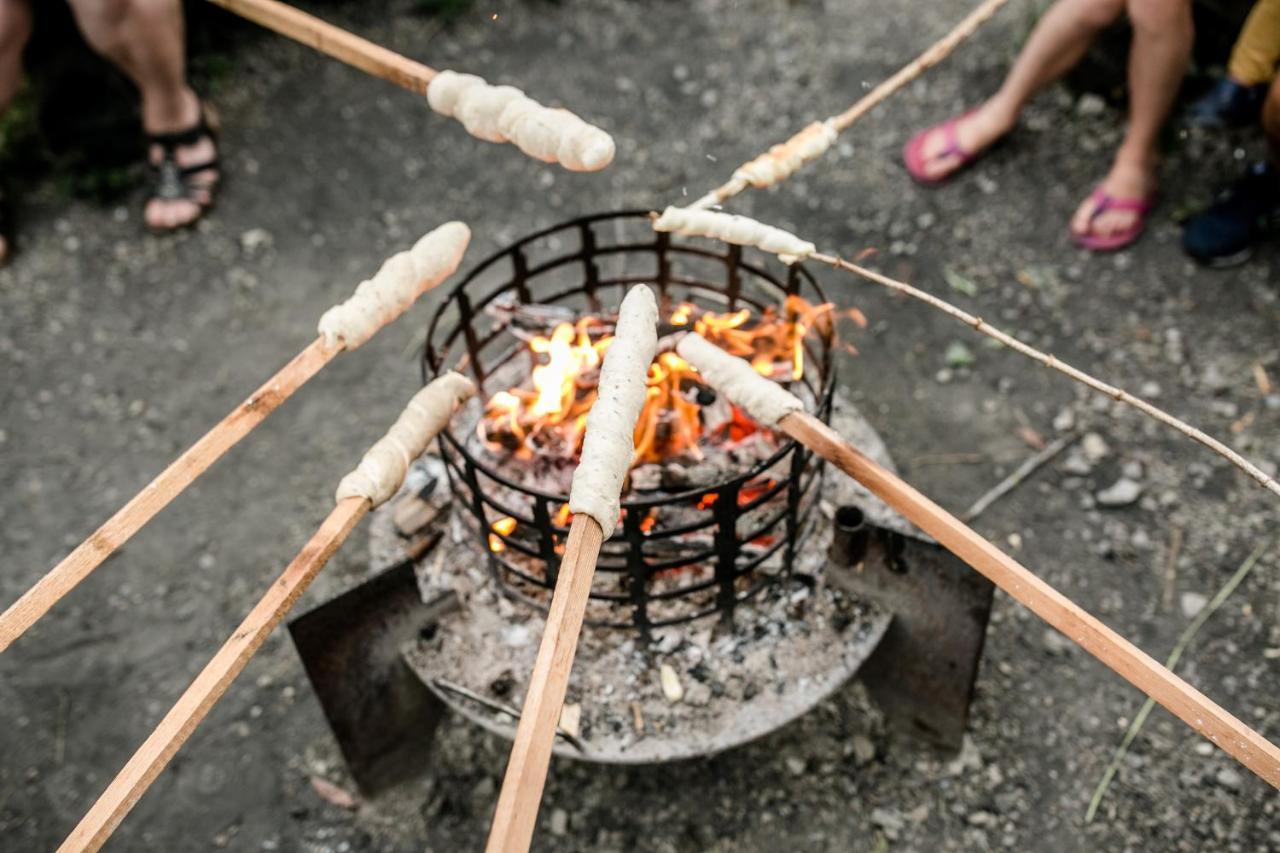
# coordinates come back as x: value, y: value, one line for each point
x: 504, y: 526
x: 553, y: 411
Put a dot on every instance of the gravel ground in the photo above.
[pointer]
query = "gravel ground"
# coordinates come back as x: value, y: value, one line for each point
x: 118, y: 349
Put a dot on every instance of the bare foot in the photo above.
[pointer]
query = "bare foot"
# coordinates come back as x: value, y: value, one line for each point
x: 4, y: 250
x: 1128, y: 180
x: 975, y: 131
x: 182, y: 199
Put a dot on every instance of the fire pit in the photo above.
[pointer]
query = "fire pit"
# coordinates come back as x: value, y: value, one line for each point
x: 720, y: 518
x: 716, y: 504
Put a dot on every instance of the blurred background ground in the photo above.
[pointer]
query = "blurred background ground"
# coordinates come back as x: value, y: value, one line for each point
x: 119, y: 348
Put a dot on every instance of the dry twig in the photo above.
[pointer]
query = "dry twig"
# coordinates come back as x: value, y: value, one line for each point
x: 1181, y: 646
x: 1266, y: 481
x: 1021, y: 473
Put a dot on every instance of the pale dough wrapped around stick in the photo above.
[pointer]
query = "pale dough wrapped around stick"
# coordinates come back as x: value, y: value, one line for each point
x: 402, y: 278
x: 782, y: 160
x: 382, y: 470
x: 763, y: 399
x: 609, y: 443
x: 732, y: 228
x: 506, y: 114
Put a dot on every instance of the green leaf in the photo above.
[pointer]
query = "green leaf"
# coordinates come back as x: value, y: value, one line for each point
x: 960, y: 283
x: 959, y: 355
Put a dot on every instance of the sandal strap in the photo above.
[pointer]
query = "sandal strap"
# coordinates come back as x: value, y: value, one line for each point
x: 212, y: 163
x: 188, y: 136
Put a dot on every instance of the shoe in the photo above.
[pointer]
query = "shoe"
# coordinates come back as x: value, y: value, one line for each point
x: 1227, y: 104
x: 1225, y: 234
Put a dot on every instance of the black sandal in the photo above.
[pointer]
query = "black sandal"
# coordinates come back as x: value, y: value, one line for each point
x: 171, y: 181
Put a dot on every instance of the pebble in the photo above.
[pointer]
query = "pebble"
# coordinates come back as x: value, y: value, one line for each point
x: 1090, y: 105
x: 1056, y: 644
x: 1094, y: 447
x: 1192, y: 603
x: 671, y: 687
x: 559, y: 822
x: 1229, y: 778
x: 864, y: 751
x: 1065, y: 420
x: 1122, y: 492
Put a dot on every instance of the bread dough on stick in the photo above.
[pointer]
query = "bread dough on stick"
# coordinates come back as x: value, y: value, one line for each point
x: 382, y: 470
x: 761, y: 398
x: 402, y: 278
x: 608, y: 446
x: 506, y: 114
x: 732, y: 228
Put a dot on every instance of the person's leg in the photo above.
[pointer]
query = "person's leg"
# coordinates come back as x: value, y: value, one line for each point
x: 1059, y: 40
x: 1271, y: 122
x: 145, y: 39
x: 15, y: 29
x: 1162, y: 37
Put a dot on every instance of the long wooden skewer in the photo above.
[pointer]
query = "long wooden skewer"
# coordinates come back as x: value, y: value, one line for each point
x: 441, y: 250
x: 551, y: 136
x: 770, y: 404
x: 132, y: 782
x: 375, y: 480
x: 157, y: 494
x: 936, y: 52
x: 334, y: 41
x: 607, y: 450
x: 526, y: 775
x: 1131, y: 663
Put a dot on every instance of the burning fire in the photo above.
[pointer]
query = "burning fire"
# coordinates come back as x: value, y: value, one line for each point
x: 553, y: 412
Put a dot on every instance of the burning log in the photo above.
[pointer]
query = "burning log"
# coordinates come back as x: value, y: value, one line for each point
x: 397, y: 285
x: 492, y: 113
x: 594, y: 500
x: 773, y: 405
x: 377, y: 478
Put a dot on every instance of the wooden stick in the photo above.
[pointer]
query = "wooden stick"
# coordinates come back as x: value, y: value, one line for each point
x: 334, y: 41
x: 1054, y: 363
x: 936, y: 52
x: 1139, y: 669
x: 130, y: 518
x: 513, y: 823
x: 145, y: 765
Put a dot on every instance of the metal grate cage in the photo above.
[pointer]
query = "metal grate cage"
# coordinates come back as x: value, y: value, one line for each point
x: 745, y: 529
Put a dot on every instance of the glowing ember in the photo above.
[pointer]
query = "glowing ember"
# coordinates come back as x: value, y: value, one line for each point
x: 505, y: 526
x: 551, y: 414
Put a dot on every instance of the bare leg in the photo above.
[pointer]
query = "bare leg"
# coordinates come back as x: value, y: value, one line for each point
x: 15, y: 29
x: 1162, y: 36
x: 1058, y: 42
x: 1271, y: 121
x: 145, y: 39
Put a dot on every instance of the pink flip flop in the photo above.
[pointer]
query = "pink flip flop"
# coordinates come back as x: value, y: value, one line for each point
x: 1104, y: 201
x: 913, y: 152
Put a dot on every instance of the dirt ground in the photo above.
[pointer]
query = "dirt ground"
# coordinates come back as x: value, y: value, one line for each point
x: 118, y: 349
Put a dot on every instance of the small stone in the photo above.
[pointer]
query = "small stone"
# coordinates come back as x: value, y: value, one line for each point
x: 1122, y: 492
x: 671, y: 687
x: 559, y: 822
x: 864, y: 751
x: 796, y: 765
x: 1228, y: 778
x: 697, y: 694
x: 1064, y: 421
x: 1094, y: 447
x: 1056, y: 644
x: 1090, y: 105
x: 255, y: 240
x: 1192, y: 603
x: 890, y: 820
x: 1076, y: 465
x: 980, y: 818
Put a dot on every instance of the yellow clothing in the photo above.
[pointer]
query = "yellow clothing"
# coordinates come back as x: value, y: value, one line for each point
x: 1257, y: 50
